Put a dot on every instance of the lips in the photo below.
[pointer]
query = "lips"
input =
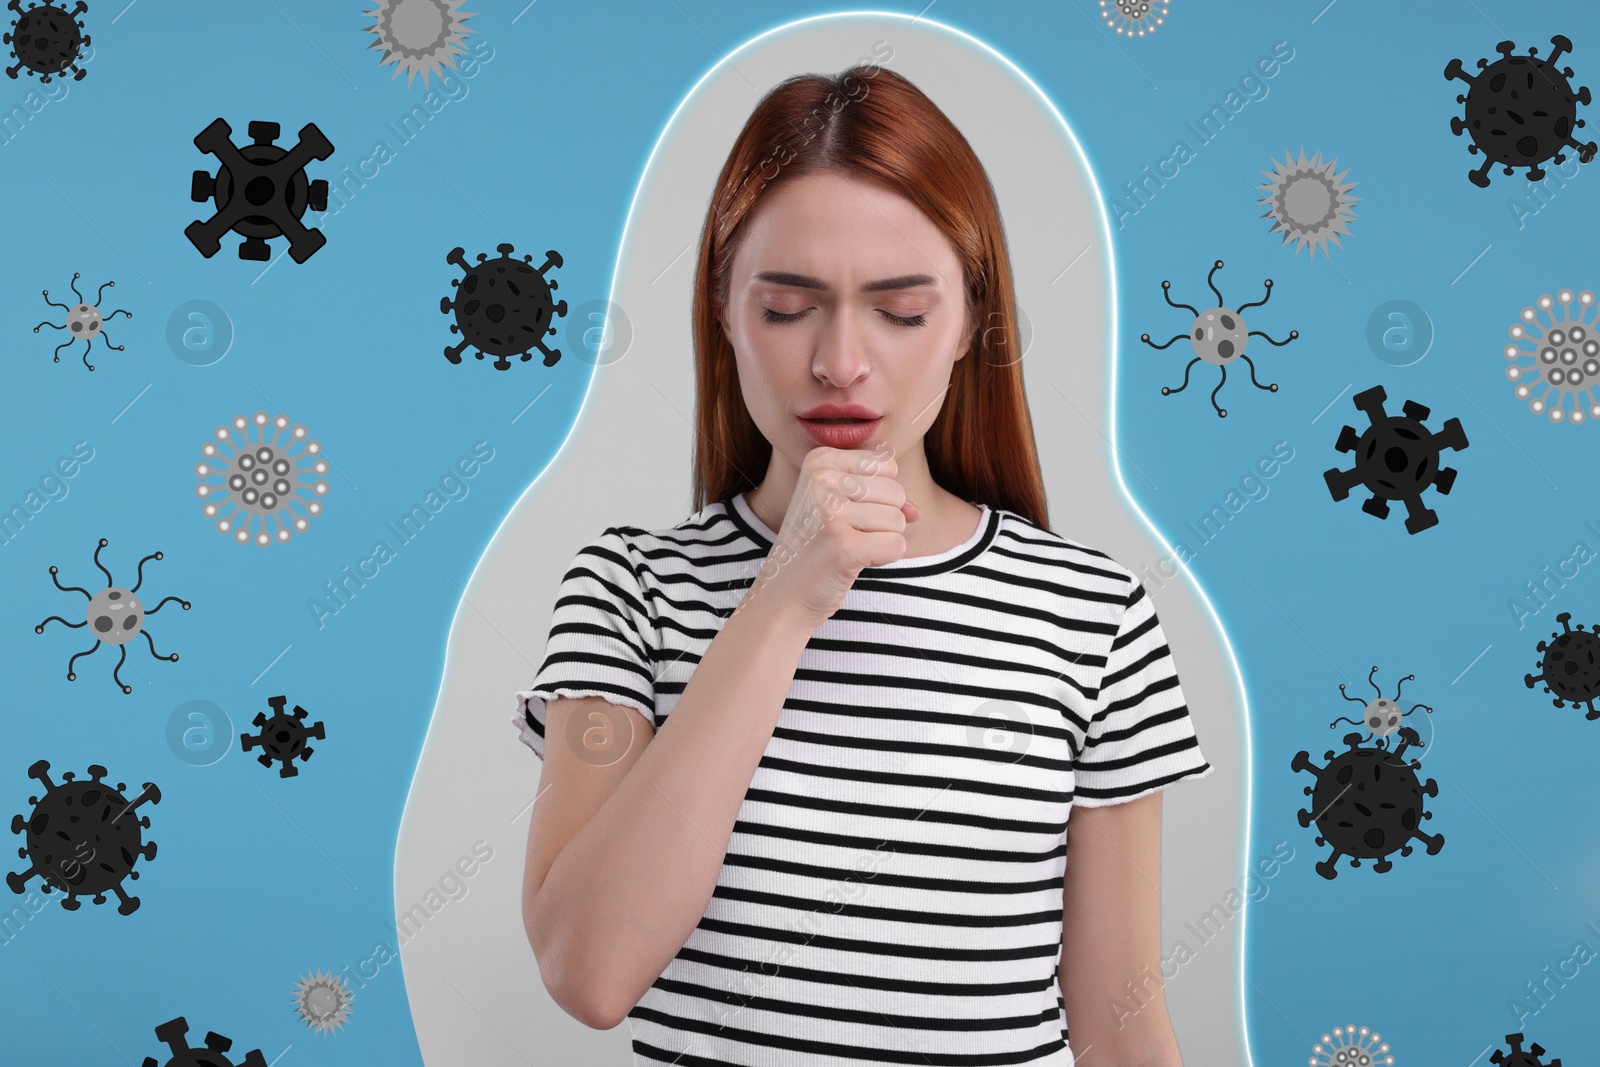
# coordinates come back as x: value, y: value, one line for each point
x: 840, y: 411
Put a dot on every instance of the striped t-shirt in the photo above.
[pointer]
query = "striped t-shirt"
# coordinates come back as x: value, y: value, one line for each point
x: 892, y: 891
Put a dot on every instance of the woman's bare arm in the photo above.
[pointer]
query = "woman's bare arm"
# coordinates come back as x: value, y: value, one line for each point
x: 1111, y: 935
x: 625, y: 893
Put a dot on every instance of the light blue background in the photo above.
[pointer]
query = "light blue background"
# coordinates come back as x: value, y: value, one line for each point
x: 259, y: 879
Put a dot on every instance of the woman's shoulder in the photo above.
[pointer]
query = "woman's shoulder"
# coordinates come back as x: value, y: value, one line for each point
x: 1048, y: 546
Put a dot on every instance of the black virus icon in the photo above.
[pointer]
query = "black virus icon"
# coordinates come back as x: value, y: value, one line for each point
x: 115, y: 614
x: 1397, y: 458
x: 84, y: 322
x: 1382, y: 715
x: 1218, y: 337
x: 83, y: 838
x: 1518, y: 1058
x: 503, y: 307
x: 46, y: 39
x: 261, y: 191
x: 1570, y: 669
x: 1368, y: 802
x: 283, y: 737
x: 174, y: 1035
x: 1521, y: 111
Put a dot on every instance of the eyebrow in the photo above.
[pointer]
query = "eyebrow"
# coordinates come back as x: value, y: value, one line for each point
x: 805, y: 281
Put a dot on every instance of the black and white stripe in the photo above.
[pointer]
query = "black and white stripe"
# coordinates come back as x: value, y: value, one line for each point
x: 892, y: 892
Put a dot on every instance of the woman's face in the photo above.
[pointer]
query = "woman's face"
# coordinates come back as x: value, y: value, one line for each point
x: 843, y: 292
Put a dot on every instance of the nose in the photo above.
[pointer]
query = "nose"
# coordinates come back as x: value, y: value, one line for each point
x: 841, y: 355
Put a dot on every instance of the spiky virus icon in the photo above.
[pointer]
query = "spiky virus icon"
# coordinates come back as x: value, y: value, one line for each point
x: 1218, y: 337
x: 1382, y: 714
x: 174, y: 1035
x: 1133, y: 17
x: 282, y: 738
x: 1307, y: 202
x: 503, y: 307
x: 47, y: 39
x: 1566, y: 358
x: 323, y: 1002
x: 266, y: 479
x: 419, y: 35
x: 1570, y: 667
x: 261, y: 191
x: 1520, y: 111
x: 115, y: 614
x: 84, y: 321
x: 1349, y: 1046
x: 83, y: 837
x: 1518, y: 1058
x: 1367, y: 802
x: 1396, y: 458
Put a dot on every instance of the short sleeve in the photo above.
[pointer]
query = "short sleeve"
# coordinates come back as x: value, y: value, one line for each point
x: 1140, y: 737
x: 599, y: 642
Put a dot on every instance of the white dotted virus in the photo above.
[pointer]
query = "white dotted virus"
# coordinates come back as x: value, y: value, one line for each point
x: 1566, y: 358
x: 264, y: 480
x: 1337, y: 1051
x: 1135, y: 18
x: 1307, y: 201
x: 419, y: 35
x: 322, y: 1001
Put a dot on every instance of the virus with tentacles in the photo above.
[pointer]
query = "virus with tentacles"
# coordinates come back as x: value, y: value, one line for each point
x: 1520, y: 111
x: 323, y: 1002
x: 503, y: 307
x: 47, y: 39
x: 264, y: 479
x: 1308, y: 203
x: 1534, y: 1057
x: 83, y: 837
x: 174, y: 1034
x: 1382, y: 716
x: 1348, y: 1046
x: 419, y: 36
x: 1566, y: 358
x: 1218, y: 337
x: 1133, y: 17
x: 115, y: 614
x: 1570, y: 669
x: 84, y: 322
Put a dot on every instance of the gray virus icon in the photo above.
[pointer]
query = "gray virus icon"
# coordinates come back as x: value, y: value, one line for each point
x: 1307, y: 202
x: 174, y: 1034
x: 322, y: 1001
x: 83, y: 837
x: 1566, y: 358
x: 84, y: 321
x: 1133, y: 18
x: 115, y: 614
x: 1520, y: 111
x: 1218, y: 337
x: 47, y: 39
x: 1350, y: 1046
x: 1381, y: 715
x: 419, y: 36
x: 265, y: 479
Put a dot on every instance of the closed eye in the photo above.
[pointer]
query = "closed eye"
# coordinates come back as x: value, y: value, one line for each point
x: 777, y: 316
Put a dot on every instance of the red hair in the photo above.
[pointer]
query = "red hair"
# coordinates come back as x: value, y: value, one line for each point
x: 872, y: 123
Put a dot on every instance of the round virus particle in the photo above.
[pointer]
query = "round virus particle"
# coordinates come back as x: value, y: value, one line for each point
x: 1350, y: 1046
x: 1367, y: 802
x: 115, y: 615
x: 47, y: 39
x: 1134, y: 18
x: 503, y: 307
x: 323, y: 1002
x: 1218, y: 337
x: 266, y: 479
x: 261, y: 191
x: 282, y: 738
x: 83, y: 838
x: 1533, y: 1057
x: 1381, y: 715
x: 1570, y: 667
x: 1307, y: 202
x: 1565, y: 354
x: 1520, y: 111
x: 174, y: 1034
x: 1397, y: 458
x: 84, y: 321
x: 419, y: 36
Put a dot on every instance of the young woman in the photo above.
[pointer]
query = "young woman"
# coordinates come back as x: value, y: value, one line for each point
x: 812, y: 755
